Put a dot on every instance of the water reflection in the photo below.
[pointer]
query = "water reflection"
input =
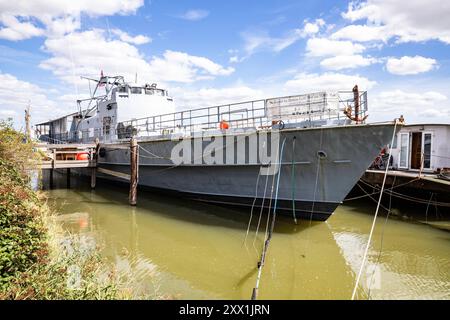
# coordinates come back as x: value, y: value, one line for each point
x: 199, y: 251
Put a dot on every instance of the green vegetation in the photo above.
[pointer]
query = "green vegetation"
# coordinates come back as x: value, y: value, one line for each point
x: 38, y: 260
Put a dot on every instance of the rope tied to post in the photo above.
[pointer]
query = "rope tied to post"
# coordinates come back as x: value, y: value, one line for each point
x: 376, y: 214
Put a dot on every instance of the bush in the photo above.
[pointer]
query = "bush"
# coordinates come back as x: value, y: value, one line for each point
x: 22, y: 231
x: 34, y: 260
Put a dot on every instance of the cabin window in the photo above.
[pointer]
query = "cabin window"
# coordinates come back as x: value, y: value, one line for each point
x: 106, y: 125
x: 136, y: 90
x: 149, y: 91
x: 123, y: 89
x: 427, y: 150
x: 404, y: 149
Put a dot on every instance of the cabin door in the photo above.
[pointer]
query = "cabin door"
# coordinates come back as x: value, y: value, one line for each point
x: 416, y: 150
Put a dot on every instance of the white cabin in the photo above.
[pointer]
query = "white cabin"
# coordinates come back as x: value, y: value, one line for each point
x: 423, y: 147
x: 103, y: 114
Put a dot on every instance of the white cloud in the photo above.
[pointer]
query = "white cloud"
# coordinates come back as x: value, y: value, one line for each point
x: 63, y: 25
x: 58, y: 16
x: 414, y: 106
x: 15, y: 95
x: 52, y: 8
x: 86, y: 53
x: 7, y: 114
x: 346, y: 62
x: 312, y: 28
x: 194, y: 15
x: 362, y: 33
x: 416, y: 20
x: 139, y: 39
x: 15, y: 30
x: 205, y: 97
x: 304, y: 82
x: 70, y: 100
x: 410, y: 65
x: 234, y: 59
x: 182, y: 67
x: 255, y: 41
x: 323, y: 47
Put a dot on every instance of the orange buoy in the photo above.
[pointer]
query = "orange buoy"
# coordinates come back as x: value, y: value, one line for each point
x: 224, y: 125
x: 82, y: 156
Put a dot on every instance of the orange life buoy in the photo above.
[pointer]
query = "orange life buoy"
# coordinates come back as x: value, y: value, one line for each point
x: 224, y: 125
x: 82, y: 156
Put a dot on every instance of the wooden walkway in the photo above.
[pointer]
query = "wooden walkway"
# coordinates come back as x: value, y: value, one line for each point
x: 64, y: 156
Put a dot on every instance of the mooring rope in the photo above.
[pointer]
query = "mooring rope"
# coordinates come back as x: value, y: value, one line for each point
x: 377, y: 192
x: 262, y: 207
x: 428, y: 205
x: 270, y: 202
x: 381, y: 241
x: 253, y: 206
x: 270, y: 232
x: 409, y: 198
x: 317, y: 179
x: 370, y: 197
x: 293, y: 180
x: 376, y: 214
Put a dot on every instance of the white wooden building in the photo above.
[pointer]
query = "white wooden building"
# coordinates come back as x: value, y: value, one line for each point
x: 423, y: 147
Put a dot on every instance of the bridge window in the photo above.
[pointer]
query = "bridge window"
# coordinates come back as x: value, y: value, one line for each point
x: 149, y: 91
x: 123, y: 89
x: 136, y: 90
x: 106, y: 125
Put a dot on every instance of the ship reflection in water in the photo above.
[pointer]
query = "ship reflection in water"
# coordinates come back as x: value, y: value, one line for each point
x: 199, y: 252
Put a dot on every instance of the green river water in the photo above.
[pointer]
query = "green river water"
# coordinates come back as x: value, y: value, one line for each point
x: 199, y: 252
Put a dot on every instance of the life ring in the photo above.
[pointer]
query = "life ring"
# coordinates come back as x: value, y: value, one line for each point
x: 224, y: 125
x: 82, y: 156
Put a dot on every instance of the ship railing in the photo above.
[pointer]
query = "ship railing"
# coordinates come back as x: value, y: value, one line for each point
x: 250, y: 114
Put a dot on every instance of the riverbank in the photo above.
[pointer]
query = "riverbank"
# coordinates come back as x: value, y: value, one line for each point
x: 40, y: 260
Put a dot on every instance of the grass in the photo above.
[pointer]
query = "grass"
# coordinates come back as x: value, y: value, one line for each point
x: 38, y: 259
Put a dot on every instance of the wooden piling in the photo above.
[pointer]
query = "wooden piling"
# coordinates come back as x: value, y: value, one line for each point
x: 94, y: 169
x: 51, y: 178
x: 134, y: 167
x: 68, y: 178
x: 93, y: 177
x: 53, y: 168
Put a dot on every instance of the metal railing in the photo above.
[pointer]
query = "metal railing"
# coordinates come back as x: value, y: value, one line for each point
x: 249, y: 114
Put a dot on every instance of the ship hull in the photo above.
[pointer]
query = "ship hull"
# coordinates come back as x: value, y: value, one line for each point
x: 317, y: 169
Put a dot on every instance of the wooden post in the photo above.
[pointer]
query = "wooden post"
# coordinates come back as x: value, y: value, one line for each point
x: 68, y: 178
x: 93, y: 177
x: 53, y: 168
x: 134, y: 167
x: 51, y: 178
x: 94, y: 169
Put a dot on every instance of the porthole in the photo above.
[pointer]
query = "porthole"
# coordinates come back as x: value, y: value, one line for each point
x: 321, y: 154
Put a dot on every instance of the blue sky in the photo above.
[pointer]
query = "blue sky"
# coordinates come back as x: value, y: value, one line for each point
x: 213, y: 52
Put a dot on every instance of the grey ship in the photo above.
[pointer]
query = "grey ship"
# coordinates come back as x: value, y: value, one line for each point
x: 301, y: 154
